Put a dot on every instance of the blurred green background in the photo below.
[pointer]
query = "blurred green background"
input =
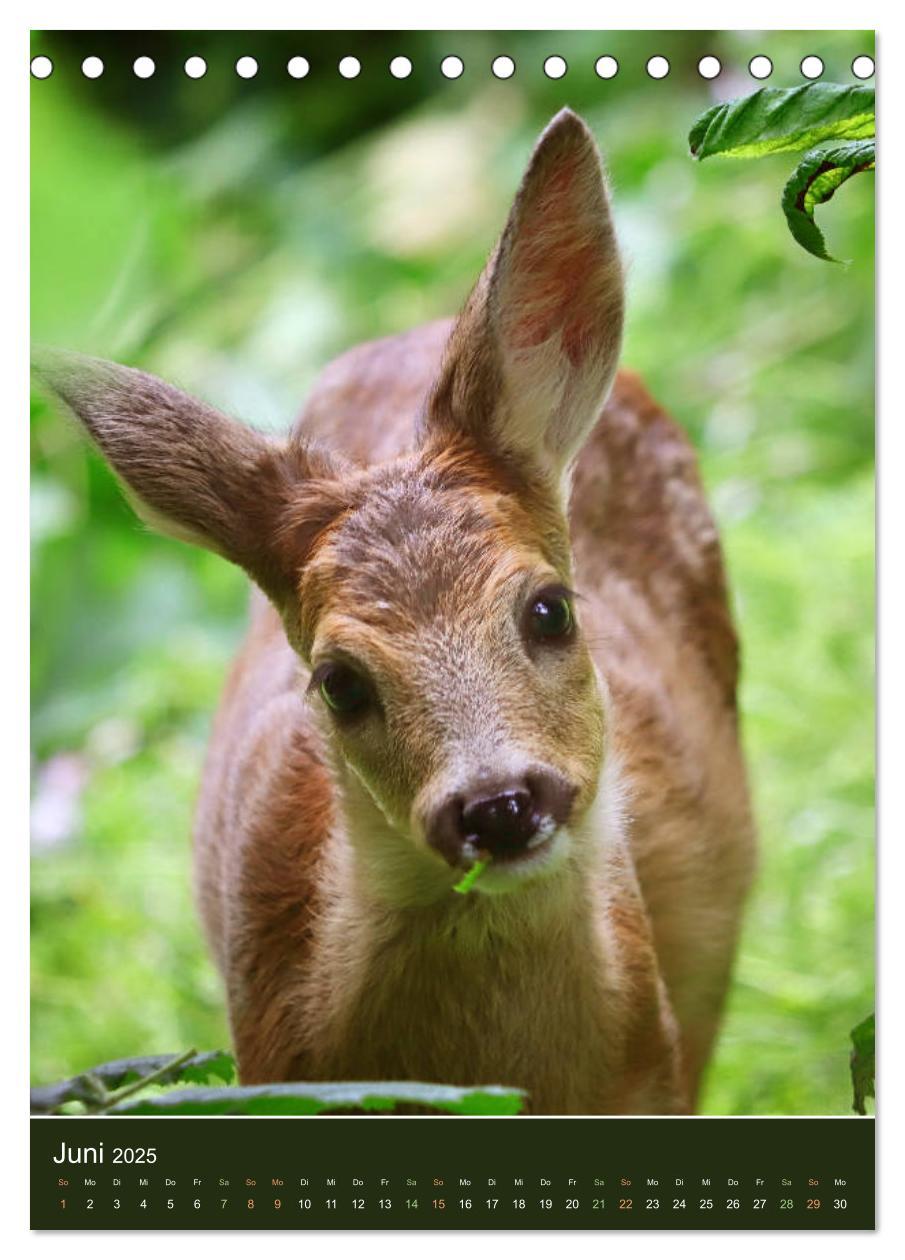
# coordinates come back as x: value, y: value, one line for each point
x: 232, y: 235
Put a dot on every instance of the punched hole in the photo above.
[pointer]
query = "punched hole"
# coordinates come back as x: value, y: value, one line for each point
x: 863, y: 67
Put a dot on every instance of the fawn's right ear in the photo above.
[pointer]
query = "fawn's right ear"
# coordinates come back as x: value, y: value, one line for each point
x: 189, y: 471
x: 534, y: 352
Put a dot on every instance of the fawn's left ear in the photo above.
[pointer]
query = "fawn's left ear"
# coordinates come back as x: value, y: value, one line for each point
x: 534, y: 353
x: 193, y: 473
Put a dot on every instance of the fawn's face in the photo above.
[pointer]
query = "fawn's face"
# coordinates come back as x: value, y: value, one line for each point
x: 448, y: 662
x: 429, y: 596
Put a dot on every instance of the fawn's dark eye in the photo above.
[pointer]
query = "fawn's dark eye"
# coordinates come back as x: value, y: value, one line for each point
x: 550, y: 616
x: 342, y: 688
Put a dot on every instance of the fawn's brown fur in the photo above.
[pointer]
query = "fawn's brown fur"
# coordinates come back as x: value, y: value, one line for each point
x: 478, y: 467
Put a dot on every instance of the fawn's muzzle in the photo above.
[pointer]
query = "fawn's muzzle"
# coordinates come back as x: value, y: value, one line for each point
x: 504, y: 819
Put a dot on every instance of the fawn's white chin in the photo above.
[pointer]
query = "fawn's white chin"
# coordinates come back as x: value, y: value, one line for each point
x: 533, y: 862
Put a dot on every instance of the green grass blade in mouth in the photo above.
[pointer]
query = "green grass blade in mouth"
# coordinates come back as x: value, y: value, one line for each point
x: 472, y: 875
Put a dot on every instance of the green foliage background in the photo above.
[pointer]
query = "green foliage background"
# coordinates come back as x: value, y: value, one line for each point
x: 233, y: 235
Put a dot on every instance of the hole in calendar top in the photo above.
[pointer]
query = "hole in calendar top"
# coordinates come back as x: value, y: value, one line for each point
x: 812, y: 67
x: 350, y: 67
x: 246, y: 67
x: 555, y: 67
x: 92, y: 67
x: 760, y: 67
x: 400, y: 67
x: 452, y: 67
x: 606, y: 67
x: 709, y: 67
x: 503, y: 67
x: 298, y: 67
x: 863, y: 67
x: 657, y: 67
x: 143, y: 67
x: 196, y: 67
x: 41, y: 67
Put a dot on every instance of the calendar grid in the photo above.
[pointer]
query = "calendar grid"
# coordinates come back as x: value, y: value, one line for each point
x: 440, y: 1173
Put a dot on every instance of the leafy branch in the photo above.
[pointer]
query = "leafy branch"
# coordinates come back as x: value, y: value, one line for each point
x: 103, y: 1087
x: 863, y: 1063
x: 122, y: 1089
x: 779, y: 120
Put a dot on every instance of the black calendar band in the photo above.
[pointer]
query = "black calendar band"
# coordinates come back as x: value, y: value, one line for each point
x: 452, y: 1173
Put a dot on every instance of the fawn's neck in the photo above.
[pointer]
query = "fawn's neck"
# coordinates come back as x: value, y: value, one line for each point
x: 448, y: 989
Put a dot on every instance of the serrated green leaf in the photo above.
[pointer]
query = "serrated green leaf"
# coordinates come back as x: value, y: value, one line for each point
x: 313, y: 1099
x: 814, y: 180
x: 86, y: 1088
x: 863, y: 1063
x: 216, y: 1065
x: 781, y: 120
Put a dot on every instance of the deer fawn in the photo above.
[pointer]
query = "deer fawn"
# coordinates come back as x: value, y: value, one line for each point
x: 423, y: 687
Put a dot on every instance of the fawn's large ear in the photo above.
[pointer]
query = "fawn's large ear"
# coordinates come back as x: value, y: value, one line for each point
x: 189, y: 471
x: 533, y: 355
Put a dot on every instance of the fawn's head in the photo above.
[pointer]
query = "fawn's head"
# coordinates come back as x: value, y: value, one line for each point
x: 429, y: 596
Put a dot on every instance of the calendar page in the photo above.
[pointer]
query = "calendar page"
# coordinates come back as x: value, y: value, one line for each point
x: 453, y: 649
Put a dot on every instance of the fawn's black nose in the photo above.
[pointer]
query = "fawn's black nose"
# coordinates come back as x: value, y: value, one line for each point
x: 507, y: 820
x: 503, y: 819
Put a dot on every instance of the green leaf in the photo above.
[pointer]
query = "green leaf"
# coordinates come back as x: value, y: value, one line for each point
x: 814, y: 180
x: 90, y: 1086
x: 216, y: 1065
x: 303, y: 1099
x: 863, y: 1063
x: 781, y: 120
